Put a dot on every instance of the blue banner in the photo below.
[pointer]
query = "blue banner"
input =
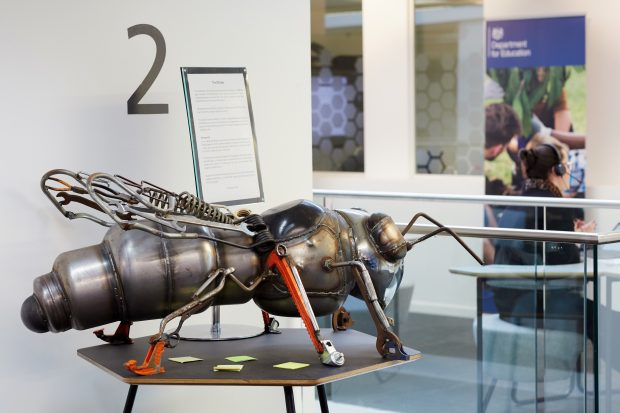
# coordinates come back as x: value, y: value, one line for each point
x: 545, y: 42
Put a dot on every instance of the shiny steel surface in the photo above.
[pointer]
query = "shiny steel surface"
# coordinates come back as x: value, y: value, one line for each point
x: 134, y: 275
x: 475, y: 199
x: 331, y: 356
x: 158, y: 275
x: 385, y: 275
x: 488, y: 232
x: 247, y: 264
x: 520, y: 234
x: 49, y: 301
x: 311, y: 234
x: 84, y: 276
x: 161, y: 259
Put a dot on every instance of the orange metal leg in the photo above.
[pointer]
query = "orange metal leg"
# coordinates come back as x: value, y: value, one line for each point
x: 327, y: 352
x: 283, y: 267
x: 152, y: 362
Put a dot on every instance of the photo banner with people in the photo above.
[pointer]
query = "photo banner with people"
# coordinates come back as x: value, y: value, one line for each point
x: 535, y: 93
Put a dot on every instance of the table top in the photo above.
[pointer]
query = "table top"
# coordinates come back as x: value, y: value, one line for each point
x: 359, y: 349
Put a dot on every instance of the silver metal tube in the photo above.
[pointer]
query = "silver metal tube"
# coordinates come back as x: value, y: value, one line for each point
x: 304, y: 298
x: 608, y: 238
x: 491, y: 232
x: 216, y: 327
x: 474, y: 199
x: 544, y: 256
x: 520, y: 234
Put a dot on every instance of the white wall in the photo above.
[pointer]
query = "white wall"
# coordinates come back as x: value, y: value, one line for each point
x: 67, y: 69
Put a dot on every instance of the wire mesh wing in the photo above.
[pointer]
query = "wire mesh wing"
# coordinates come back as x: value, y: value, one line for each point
x: 113, y: 199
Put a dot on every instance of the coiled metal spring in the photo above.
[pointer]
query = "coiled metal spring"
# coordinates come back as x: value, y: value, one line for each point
x: 157, y: 197
x: 191, y: 205
x: 263, y: 238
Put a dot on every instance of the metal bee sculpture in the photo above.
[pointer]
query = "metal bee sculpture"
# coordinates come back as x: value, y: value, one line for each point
x: 169, y: 256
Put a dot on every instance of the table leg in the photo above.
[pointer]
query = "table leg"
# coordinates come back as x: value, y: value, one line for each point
x: 131, y: 396
x: 289, y: 399
x: 595, y: 343
x: 322, y: 398
x: 479, y: 361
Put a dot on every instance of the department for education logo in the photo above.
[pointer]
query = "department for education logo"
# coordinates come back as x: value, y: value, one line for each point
x: 497, y: 33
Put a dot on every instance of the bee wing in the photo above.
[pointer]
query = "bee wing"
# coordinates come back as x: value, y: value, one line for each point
x: 63, y: 187
x: 115, y: 200
x: 127, y: 203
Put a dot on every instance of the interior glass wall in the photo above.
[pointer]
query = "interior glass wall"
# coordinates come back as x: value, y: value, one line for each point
x: 449, y: 86
x: 504, y: 337
x: 448, y: 78
x: 337, y: 86
x: 607, y: 258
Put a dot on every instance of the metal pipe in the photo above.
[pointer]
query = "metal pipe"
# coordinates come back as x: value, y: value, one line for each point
x: 474, y: 199
x: 492, y: 232
x: 520, y: 234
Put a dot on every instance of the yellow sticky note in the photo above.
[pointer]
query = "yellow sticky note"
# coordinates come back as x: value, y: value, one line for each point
x: 228, y: 367
x: 186, y: 359
x: 291, y: 365
x: 239, y: 359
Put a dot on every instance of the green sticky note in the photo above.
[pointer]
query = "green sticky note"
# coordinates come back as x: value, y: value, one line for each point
x: 228, y: 367
x: 239, y: 359
x: 291, y: 365
x: 186, y: 359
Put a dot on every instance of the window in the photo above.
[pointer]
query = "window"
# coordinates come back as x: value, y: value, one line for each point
x: 337, y: 86
x: 449, y: 75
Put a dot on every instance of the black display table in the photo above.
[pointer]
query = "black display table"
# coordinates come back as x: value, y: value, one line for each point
x: 270, y: 349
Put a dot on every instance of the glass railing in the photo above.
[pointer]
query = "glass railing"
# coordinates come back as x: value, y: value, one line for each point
x: 536, y: 331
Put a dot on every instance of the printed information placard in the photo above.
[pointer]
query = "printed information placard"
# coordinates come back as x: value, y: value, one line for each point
x: 535, y: 92
x: 221, y: 128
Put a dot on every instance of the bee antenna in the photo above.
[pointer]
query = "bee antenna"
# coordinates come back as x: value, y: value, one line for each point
x: 441, y: 228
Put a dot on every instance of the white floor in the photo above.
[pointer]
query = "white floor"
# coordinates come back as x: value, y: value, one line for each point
x: 351, y: 408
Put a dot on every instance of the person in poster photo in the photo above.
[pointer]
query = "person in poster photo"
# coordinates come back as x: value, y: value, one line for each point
x: 540, y: 99
x: 502, y: 129
x: 545, y: 167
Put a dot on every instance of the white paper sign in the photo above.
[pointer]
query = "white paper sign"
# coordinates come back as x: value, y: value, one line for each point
x: 222, y: 132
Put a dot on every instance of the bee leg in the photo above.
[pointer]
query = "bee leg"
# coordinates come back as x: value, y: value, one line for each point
x: 327, y: 352
x: 341, y: 320
x: 199, y: 301
x: 160, y: 340
x: 120, y: 336
x: 152, y: 362
x: 270, y: 323
x: 388, y: 343
x: 184, y: 317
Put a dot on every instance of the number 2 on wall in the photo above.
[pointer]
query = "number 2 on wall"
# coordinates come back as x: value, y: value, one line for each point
x: 134, y: 107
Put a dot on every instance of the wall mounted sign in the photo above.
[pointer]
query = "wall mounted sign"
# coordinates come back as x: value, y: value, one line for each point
x: 536, y: 69
x: 222, y: 133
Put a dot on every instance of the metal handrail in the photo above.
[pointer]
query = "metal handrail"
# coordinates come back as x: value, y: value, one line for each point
x: 590, y: 238
x: 476, y: 199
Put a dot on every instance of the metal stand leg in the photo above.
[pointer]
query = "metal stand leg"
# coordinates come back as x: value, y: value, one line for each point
x: 131, y: 396
x: 289, y: 399
x: 479, y: 376
x: 322, y: 398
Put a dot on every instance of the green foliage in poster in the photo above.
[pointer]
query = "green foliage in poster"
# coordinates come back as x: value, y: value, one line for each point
x: 525, y: 88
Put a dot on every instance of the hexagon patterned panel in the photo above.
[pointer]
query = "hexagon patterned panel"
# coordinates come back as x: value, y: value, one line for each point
x: 448, y: 98
x: 337, y: 112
